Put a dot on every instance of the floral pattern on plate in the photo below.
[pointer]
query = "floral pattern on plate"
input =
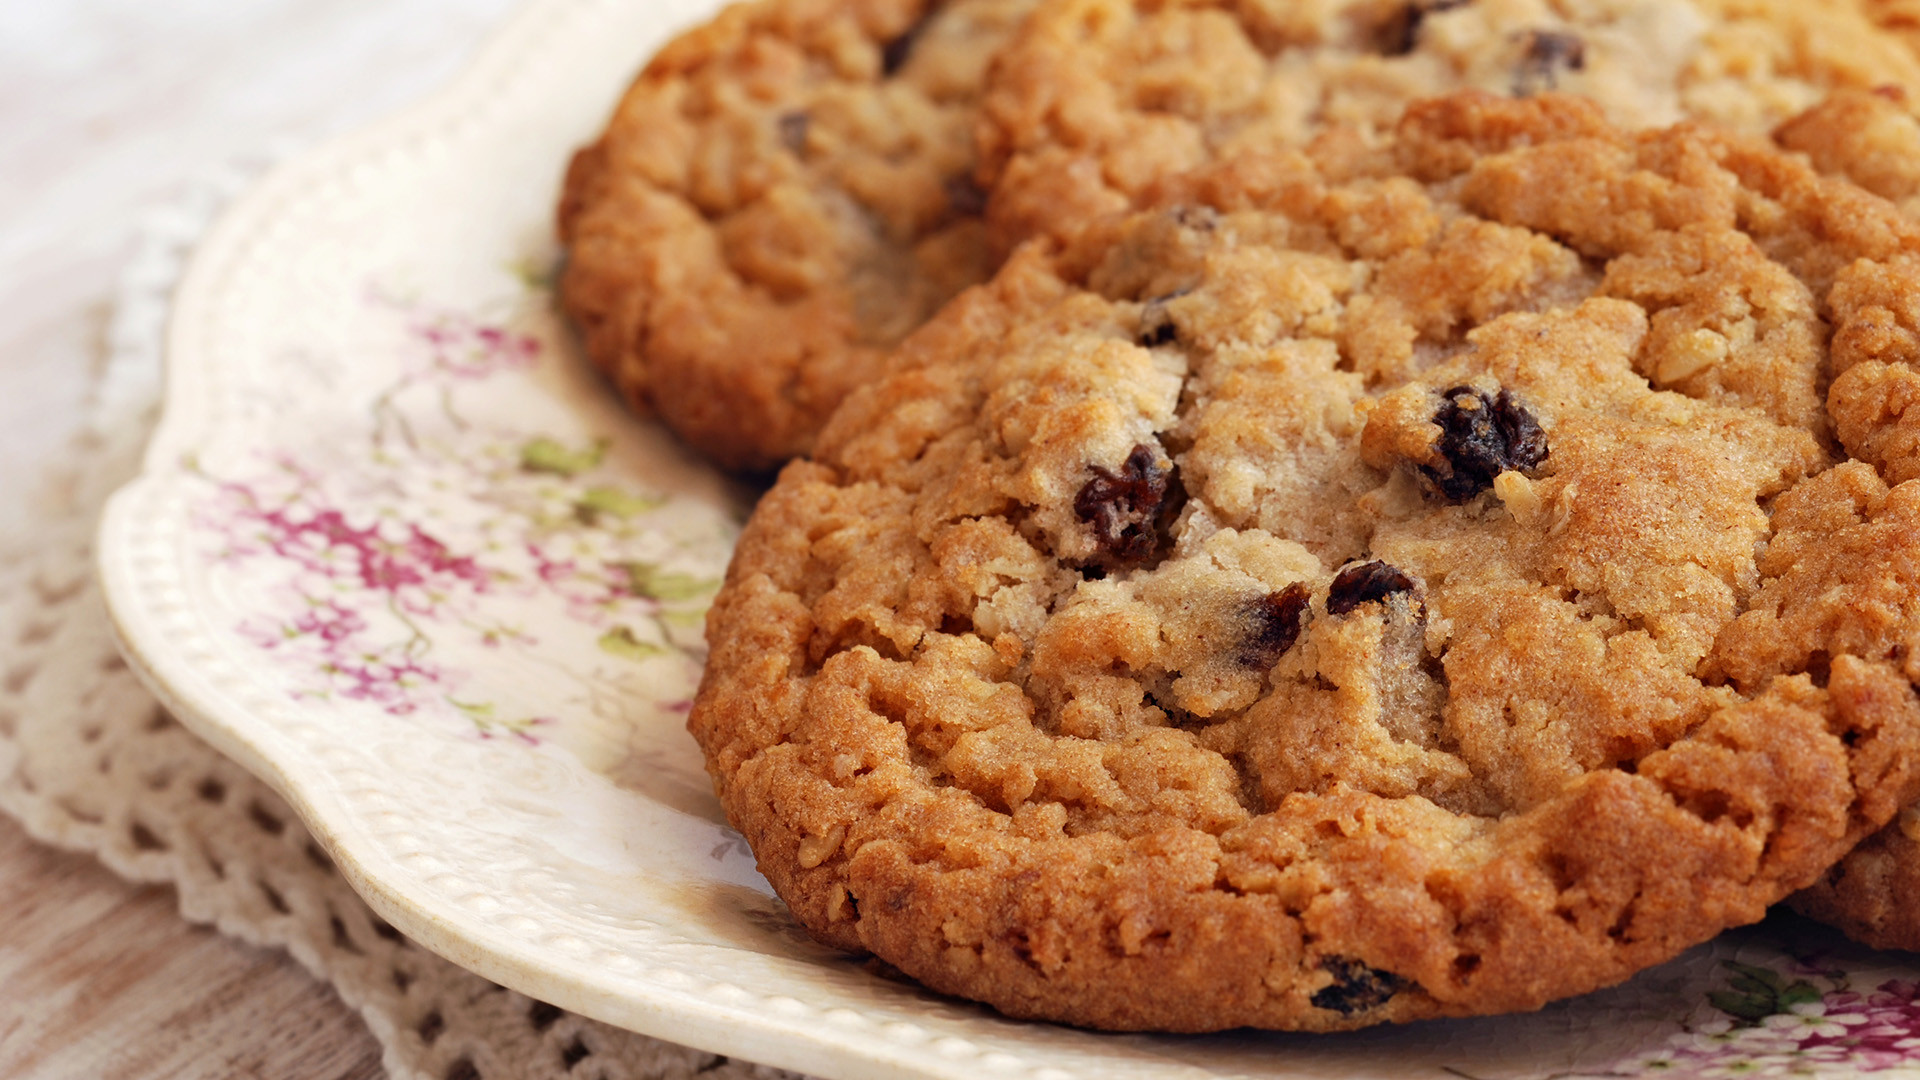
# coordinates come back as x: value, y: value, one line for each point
x: 382, y: 570
x: 1793, y: 1017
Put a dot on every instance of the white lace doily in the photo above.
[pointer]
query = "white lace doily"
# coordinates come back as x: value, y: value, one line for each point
x: 89, y: 762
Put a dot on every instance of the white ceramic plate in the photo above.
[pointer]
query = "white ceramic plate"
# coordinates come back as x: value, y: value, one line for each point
x: 397, y: 552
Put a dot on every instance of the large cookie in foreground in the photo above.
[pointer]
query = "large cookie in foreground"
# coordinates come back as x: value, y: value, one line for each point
x: 781, y: 196
x: 1297, y: 608
x: 1097, y: 101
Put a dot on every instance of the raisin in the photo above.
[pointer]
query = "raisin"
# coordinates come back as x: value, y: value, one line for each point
x: 1356, y: 987
x: 1156, y: 332
x: 893, y: 55
x: 1549, y: 53
x: 1198, y: 218
x: 1401, y: 34
x: 1482, y: 437
x: 1156, y: 324
x: 965, y: 197
x: 1129, y: 510
x: 793, y: 131
x: 1366, y: 583
x: 1277, y: 619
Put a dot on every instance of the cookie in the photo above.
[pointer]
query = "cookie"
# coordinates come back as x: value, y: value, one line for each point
x: 1874, y: 139
x: 1870, y: 894
x: 1900, y: 18
x: 1869, y: 137
x: 780, y: 197
x: 1343, y: 596
x: 1099, y: 100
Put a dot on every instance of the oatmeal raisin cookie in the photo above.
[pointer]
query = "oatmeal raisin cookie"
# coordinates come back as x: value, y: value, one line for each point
x: 782, y: 195
x: 1356, y: 590
x: 1097, y: 101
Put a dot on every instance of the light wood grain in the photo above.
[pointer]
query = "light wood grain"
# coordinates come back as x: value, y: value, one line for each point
x: 101, y: 979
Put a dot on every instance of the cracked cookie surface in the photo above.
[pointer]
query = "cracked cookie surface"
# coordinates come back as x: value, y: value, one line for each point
x: 1843, y: 579
x: 1097, y: 101
x: 1874, y: 139
x: 781, y: 196
x: 1337, y: 598
x: 788, y: 191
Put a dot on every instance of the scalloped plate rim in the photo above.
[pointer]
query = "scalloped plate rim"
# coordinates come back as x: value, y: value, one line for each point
x: 632, y: 1001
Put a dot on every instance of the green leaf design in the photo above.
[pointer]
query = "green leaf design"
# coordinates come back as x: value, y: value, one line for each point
x: 684, y: 620
x: 535, y: 275
x: 668, y: 586
x: 1766, y: 979
x: 546, y: 455
x: 1748, y: 1007
x: 612, y: 502
x: 1800, y: 993
x: 623, y: 643
x: 1759, y: 993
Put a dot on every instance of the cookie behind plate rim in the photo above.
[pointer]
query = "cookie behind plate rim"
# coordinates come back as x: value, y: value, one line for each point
x: 1374, y: 586
x: 1096, y: 102
x: 786, y: 192
x: 781, y: 196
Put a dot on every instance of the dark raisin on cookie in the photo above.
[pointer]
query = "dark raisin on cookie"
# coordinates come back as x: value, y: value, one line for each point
x: 1156, y: 323
x: 1401, y: 33
x: 1482, y: 437
x: 894, y: 55
x: 1366, y: 583
x: 1276, y: 620
x: 1356, y: 987
x: 1548, y: 54
x: 965, y: 197
x: 1129, y: 509
x: 1156, y: 329
x: 793, y: 131
x: 1198, y: 218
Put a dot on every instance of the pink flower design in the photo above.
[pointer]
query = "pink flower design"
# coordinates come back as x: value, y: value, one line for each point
x: 462, y: 347
x: 362, y: 560
x: 1805, y: 1031
x: 341, y: 568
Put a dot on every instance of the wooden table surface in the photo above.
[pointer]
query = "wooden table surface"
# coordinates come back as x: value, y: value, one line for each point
x: 101, y: 979
x: 107, y: 108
